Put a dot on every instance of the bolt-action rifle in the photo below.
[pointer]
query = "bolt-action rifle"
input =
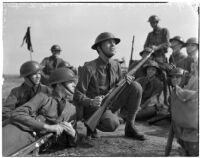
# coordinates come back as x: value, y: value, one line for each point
x: 114, y: 93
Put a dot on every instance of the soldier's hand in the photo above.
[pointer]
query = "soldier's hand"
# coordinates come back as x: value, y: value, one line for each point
x: 155, y: 48
x: 97, y: 100
x: 129, y: 79
x: 67, y: 126
x: 58, y: 129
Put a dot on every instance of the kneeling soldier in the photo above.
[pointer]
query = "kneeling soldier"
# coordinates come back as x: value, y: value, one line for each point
x: 43, y: 114
x: 96, y: 79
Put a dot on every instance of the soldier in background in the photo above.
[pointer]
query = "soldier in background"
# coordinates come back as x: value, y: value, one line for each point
x: 158, y: 39
x: 95, y: 81
x: 44, y: 113
x: 177, y: 43
x: 53, y: 62
x: 31, y: 72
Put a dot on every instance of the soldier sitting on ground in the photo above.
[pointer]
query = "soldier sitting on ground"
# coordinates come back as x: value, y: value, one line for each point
x: 31, y: 72
x: 95, y: 81
x: 49, y: 64
x: 151, y: 85
x: 42, y: 114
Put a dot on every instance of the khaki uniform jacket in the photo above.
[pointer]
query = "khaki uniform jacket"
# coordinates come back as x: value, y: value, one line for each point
x: 20, y: 95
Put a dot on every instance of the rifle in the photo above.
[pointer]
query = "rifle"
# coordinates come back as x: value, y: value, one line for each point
x: 132, y: 48
x: 159, y: 118
x: 36, y: 144
x: 93, y: 121
x: 169, y: 141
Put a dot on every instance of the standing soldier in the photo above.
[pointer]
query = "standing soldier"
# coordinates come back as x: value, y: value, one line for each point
x: 97, y: 78
x: 43, y: 113
x: 177, y: 43
x: 158, y: 39
x: 31, y: 72
x: 53, y: 62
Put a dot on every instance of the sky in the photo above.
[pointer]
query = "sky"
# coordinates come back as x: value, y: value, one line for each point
x: 75, y: 26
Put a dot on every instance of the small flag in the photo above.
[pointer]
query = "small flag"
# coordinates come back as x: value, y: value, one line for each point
x: 27, y: 39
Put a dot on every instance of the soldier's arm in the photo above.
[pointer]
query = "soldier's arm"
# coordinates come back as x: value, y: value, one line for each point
x: 165, y: 44
x: 147, y: 42
x: 25, y: 114
x: 9, y: 104
x: 81, y: 88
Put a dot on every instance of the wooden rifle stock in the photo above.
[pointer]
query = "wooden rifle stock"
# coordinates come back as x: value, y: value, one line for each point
x: 93, y: 121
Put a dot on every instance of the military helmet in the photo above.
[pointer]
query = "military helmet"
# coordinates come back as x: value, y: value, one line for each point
x: 177, y: 38
x: 61, y: 75
x: 176, y: 71
x: 192, y: 40
x: 55, y: 47
x: 103, y: 37
x: 147, y: 49
x: 29, y: 67
x: 154, y: 18
x: 151, y: 63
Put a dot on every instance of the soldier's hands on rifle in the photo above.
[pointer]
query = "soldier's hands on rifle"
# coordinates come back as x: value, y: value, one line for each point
x: 68, y: 128
x: 97, y: 101
x: 129, y: 79
x: 58, y: 129
x: 154, y: 47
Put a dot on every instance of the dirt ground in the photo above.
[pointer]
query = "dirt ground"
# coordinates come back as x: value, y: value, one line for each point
x: 111, y: 144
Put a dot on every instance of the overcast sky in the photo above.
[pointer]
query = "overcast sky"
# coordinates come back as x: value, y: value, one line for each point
x: 75, y: 26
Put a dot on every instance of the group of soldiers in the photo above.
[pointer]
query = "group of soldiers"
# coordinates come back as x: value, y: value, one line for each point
x: 54, y: 95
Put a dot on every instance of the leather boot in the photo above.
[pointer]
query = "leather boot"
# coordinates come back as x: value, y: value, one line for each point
x: 91, y: 134
x: 131, y: 132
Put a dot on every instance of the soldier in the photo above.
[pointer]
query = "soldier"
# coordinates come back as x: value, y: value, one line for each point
x: 31, y: 72
x: 192, y: 51
x: 43, y: 113
x: 97, y: 78
x: 151, y: 86
x: 53, y: 62
x: 158, y: 39
x: 184, y: 109
x: 177, y: 43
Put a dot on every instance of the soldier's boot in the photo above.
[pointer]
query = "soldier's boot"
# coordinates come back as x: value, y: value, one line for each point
x: 92, y: 135
x: 132, y: 132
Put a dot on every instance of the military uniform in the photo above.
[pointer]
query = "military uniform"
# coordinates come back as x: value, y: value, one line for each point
x: 97, y: 78
x: 157, y: 37
x: 176, y: 58
x: 19, y: 96
x: 49, y: 64
x: 31, y: 117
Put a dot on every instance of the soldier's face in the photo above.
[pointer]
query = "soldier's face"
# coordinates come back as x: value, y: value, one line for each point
x: 154, y: 24
x: 109, y: 47
x: 70, y: 86
x: 191, y: 48
x: 55, y: 53
x: 175, y: 44
x: 176, y: 80
x: 35, y: 78
x: 151, y: 71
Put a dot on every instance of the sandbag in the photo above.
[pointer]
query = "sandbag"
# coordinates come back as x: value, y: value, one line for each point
x: 184, y: 108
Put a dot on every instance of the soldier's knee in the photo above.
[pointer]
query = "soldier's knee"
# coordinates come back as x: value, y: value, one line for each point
x: 136, y: 87
x: 109, y: 125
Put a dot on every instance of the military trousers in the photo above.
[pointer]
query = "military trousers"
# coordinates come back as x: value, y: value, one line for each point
x: 129, y: 101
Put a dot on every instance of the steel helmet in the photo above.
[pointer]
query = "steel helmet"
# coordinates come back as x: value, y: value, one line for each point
x: 61, y: 75
x: 192, y: 40
x: 151, y: 63
x: 153, y: 18
x: 147, y: 50
x: 177, y: 38
x: 29, y: 67
x: 103, y: 37
x: 176, y: 71
x: 55, y: 47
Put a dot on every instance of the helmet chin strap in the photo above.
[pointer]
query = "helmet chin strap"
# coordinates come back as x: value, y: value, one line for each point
x: 30, y: 82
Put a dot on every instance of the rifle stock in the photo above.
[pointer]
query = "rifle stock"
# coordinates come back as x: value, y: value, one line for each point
x: 36, y: 144
x: 93, y: 121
